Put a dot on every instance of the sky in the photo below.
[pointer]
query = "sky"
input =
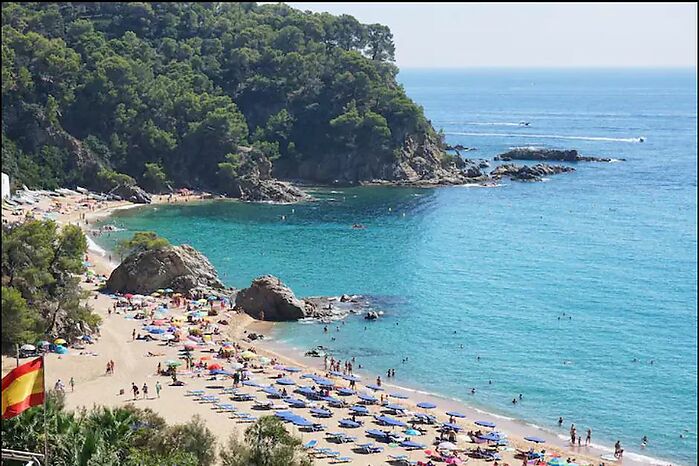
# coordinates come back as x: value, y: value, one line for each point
x: 451, y: 35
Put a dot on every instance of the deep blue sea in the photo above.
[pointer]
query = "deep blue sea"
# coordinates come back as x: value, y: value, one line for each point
x: 611, y: 249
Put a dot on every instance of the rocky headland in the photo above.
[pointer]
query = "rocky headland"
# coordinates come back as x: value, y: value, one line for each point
x: 528, y: 173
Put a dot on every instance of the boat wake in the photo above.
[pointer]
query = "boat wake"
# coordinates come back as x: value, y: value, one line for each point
x: 549, y: 136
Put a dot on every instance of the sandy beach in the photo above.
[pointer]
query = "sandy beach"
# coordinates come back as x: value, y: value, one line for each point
x: 136, y: 361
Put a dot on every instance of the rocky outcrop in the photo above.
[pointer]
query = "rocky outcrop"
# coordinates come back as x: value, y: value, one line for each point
x: 528, y: 173
x: 254, y: 181
x: 132, y: 193
x: 181, y: 268
x: 534, y: 153
x: 420, y: 161
x: 268, y: 298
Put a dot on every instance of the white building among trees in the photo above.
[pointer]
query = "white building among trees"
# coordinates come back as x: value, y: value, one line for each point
x: 5, y: 186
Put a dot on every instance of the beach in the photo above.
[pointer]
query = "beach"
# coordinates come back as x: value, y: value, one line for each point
x: 136, y: 362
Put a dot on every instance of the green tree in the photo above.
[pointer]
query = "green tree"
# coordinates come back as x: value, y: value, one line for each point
x: 154, y: 178
x: 267, y: 443
x: 141, y: 241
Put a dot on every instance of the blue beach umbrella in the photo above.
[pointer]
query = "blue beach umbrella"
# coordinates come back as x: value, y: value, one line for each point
x: 351, y: 378
x: 345, y: 392
x: 426, y: 405
x: 485, y: 424
x: 336, y: 373
x: 374, y: 387
x: 394, y: 407
x: 389, y: 421
x: 410, y: 445
x: 285, y: 381
x: 455, y: 414
x: 291, y: 369
x: 359, y: 409
x: 272, y: 392
x: 283, y: 414
x: 413, y: 432
x: 302, y: 422
x: 367, y: 397
x: 491, y: 437
x: 535, y: 439
x: 250, y: 383
x: 451, y: 426
x: 349, y: 423
x: 399, y: 396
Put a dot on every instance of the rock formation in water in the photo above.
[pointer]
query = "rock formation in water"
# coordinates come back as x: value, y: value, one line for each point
x: 267, y: 298
x: 132, y: 193
x: 534, y: 153
x: 181, y: 268
x: 528, y: 173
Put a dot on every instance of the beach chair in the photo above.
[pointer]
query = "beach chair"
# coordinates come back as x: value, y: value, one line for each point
x: 311, y: 444
x: 208, y: 399
x: 194, y: 393
x: 369, y: 448
x: 341, y: 459
x: 228, y: 391
x: 399, y: 459
x: 244, y: 417
x: 243, y: 397
x: 262, y: 405
x: 319, y: 453
x: 317, y: 428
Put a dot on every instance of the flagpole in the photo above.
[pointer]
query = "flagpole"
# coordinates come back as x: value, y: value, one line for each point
x: 46, y: 434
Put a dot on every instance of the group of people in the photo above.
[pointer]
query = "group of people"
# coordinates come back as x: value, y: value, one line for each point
x: 144, y: 390
x: 574, y: 434
x: 110, y: 368
x: 60, y: 387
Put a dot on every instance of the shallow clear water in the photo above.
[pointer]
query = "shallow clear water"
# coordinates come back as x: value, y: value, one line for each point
x: 612, y: 245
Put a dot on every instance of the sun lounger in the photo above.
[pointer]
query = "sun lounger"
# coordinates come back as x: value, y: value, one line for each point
x: 310, y: 444
x: 194, y: 393
x: 229, y: 391
x: 319, y: 452
x: 208, y: 399
x: 342, y: 459
x: 316, y: 428
x: 349, y: 423
x: 244, y: 417
x: 369, y: 448
x: 243, y: 397
x: 262, y: 405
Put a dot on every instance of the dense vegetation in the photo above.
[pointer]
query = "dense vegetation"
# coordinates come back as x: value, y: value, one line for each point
x: 41, y: 295
x: 141, y: 241
x: 166, y: 92
x: 138, y: 437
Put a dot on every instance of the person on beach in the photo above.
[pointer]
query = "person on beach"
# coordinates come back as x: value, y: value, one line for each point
x: 71, y: 382
x: 560, y: 421
x: 158, y: 387
x: 59, y: 386
x: 134, y: 389
x: 572, y: 434
x: 378, y: 381
x: 644, y: 441
x: 514, y: 401
x: 133, y: 335
x: 618, y: 451
x: 145, y: 391
x: 588, y: 437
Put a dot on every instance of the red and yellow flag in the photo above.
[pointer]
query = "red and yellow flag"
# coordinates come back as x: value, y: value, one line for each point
x: 23, y: 388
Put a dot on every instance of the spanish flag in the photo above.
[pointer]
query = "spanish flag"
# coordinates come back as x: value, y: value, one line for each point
x: 23, y: 388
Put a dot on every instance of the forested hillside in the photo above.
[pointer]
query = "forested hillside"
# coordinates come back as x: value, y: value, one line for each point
x: 167, y: 92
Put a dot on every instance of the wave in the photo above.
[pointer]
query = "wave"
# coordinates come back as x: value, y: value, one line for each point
x: 547, y: 136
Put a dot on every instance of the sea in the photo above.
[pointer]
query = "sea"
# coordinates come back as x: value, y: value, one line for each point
x: 578, y: 292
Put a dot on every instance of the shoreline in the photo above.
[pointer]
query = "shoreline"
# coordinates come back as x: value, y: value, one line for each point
x: 99, y: 257
x: 275, y: 349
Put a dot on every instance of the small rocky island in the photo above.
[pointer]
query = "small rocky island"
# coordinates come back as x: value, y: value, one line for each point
x: 528, y: 173
x: 534, y: 153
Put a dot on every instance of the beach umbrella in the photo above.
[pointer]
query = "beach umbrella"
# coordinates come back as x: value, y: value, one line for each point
x: 359, y: 409
x: 349, y: 423
x: 156, y: 330
x: 237, y: 366
x: 248, y: 355
x: 389, y: 421
x: 285, y: 381
x: 28, y: 347
x: 557, y: 462
x: 351, y: 378
x: 413, y: 432
x: 128, y: 296
x: 453, y: 460
x: 177, y: 295
x: 535, y: 439
x: 213, y: 298
x: 42, y: 343
x: 394, y: 407
x: 167, y: 337
x: 336, y: 373
x: 169, y: 290
x: 291, y: 369
x: 366, y: 397
x: 251, y: 383
x: 59, y: 341
x: 215, y: 366
x: 219, y: 372
x: 426, y: 405
x: 410, y: 445
x: 455, y: 414
x: 301, y: 422
x: 484, y: 424
x: 446, y: 446
x: 61, y: 349
x: 173, y: 363
x: 374, y: 387
x: 155, y: 294
x: 399, y: 396
x: 345, y: 392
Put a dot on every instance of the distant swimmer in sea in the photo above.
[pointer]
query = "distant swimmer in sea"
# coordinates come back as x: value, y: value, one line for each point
x: 358, y: 226
x: 641, y: 139
x: 644, y: 441
x: 523, y: 123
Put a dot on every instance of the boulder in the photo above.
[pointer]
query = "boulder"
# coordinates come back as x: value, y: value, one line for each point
x: 536, y: 153
x: 131, y: 193
x: 268, y: 298
x: 181, y: 268
x: 528, y: 173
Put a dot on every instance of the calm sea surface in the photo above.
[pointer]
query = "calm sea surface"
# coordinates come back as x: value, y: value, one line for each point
x: 557, y: 286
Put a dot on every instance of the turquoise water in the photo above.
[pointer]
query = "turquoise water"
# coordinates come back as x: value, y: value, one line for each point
x: 612, y: 245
